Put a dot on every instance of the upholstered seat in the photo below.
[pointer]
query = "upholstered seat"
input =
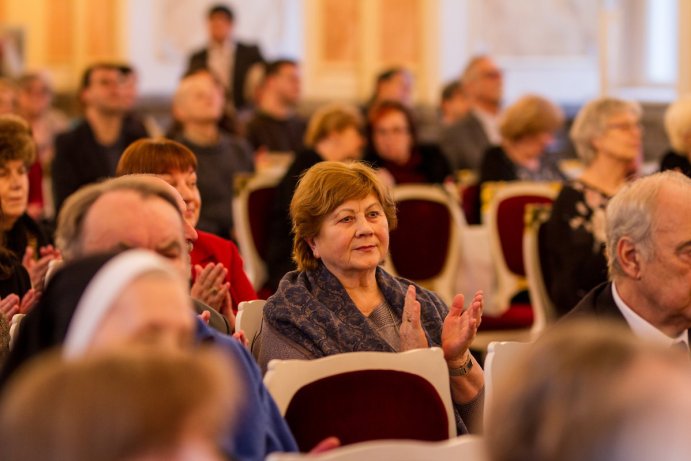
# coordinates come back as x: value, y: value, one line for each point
x: 252, y: 207
x: 425, y: 247
x: 363, y: 396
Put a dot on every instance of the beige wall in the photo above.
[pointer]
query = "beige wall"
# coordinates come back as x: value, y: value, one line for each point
x: 65, y: 35
x: 343, y: 43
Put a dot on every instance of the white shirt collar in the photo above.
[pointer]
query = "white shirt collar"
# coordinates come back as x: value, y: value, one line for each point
x: 642, y: 328
x: 490, y: 123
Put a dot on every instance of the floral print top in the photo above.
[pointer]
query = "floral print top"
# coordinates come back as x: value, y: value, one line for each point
x: 573, y: 244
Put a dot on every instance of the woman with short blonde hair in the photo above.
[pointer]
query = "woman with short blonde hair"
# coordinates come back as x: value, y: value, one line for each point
x: 678, y: 128
x: 607, y: 134
x: 527, y: 128
x: 334, y: 133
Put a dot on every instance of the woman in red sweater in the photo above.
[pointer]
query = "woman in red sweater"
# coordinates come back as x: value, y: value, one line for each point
x: 217, y: 268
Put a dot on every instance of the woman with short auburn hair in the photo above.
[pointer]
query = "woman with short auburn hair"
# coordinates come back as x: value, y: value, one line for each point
x: 218, y: 276
x: 341, y: 300
x: 393, y: 148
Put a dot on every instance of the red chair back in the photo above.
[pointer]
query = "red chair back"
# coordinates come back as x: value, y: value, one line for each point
x: 260, y: 204
x: 510, y: 224
x: 367, y: 405
x: 420, y: 242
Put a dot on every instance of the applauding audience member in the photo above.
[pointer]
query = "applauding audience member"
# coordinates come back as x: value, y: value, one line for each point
x: 216, y: 262
x: 21, y: 234
x: 341, y: 215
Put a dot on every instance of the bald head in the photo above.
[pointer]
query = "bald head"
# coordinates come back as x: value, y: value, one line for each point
x: 129, y: 211
x: 122, y: 219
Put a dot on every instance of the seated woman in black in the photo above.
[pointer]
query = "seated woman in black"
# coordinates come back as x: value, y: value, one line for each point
x: 394, y: 150
x: 22, y: 235
x: 334, y: 132
x: 607, y: 137
x: 678, y: 128
x: 527, y: 128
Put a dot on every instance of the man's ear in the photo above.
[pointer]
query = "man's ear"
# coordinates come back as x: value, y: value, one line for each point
x: 629, y: 258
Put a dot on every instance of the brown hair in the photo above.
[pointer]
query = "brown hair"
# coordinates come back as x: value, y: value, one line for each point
x: 115, y: 405
x: 528, y: 116
x: 156, y: 156
x: 321, y: 190
x: 331, y: 118
x: 384, y: 108
x: 16, y: 142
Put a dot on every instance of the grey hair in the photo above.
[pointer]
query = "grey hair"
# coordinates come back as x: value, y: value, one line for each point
x: 678, y: 124
x: 470, y: 72
x: 69, y: 232
x: 591, y: 122
x: 631, y: 213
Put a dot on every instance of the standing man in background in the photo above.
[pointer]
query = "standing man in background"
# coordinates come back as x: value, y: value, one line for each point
x: 465, y: 141
x: 230, y: 61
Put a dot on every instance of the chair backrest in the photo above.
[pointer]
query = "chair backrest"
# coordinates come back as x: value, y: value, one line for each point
x: 425, y: 247
x: 249, y: 319
x: 500, y: 356
x: 360, y: 396
x: 505, y: 218
x: 465, y: 448
x: 252, y: 207
x: 535, y: 216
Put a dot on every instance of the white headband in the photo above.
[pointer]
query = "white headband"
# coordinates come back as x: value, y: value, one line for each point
x: 102, y: 291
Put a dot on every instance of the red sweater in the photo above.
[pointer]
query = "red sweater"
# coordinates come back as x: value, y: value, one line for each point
x: 210, y: 248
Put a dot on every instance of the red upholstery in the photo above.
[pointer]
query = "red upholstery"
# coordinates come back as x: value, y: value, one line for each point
x: 260, y: 203
x: 517, y: 316
x: 470, y: 201
x: 419, y: 244
x: 367, y: 405
x: 510, y: 223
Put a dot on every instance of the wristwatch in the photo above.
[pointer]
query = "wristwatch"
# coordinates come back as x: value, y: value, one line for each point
x: 463, y: 369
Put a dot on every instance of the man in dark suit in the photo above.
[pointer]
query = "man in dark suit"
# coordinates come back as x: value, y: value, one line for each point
x: 649, y: 249
x: 228, y: 60
x: 90, y: 151
x: 465, y: 141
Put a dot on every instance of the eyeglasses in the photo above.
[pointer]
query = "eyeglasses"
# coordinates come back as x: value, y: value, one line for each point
x: 625, y: 126
x: 396, y: 130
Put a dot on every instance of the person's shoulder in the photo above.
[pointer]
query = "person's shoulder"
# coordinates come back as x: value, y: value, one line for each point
x: 207, y: 335
x: 672, y: 160
x: 249, y: 48
x: 598, y: 302
x: 216, y: 246
x: 73, y: 133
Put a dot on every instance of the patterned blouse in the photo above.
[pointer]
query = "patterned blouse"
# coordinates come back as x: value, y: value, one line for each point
x: 573, y: 244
